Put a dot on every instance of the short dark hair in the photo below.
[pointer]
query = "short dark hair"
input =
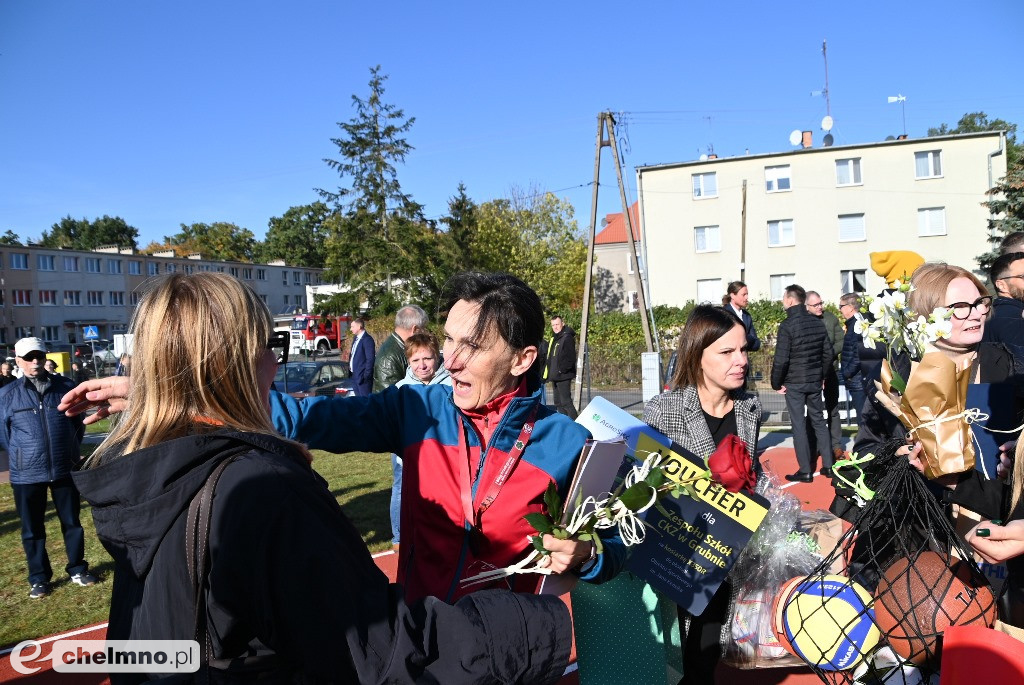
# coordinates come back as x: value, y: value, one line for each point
x: 795, y: 291
x: 705, y: 325
x: 507, y: 304
x: 1014, y: 242
x: 418, y: 341
x: 1002, y: 264
x: 850, y: 298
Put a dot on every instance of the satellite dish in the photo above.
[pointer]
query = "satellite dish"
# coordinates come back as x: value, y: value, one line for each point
x: 890, y: 137
x: 795, y: 137
x: 703, y: 158
x: 826, y: 123
x: 604, y: 222
x: 828, y: 140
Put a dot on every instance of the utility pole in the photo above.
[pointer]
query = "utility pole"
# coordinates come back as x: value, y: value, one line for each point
x: 605, y: 121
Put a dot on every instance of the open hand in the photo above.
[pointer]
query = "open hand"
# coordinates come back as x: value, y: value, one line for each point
x: 109, y: 395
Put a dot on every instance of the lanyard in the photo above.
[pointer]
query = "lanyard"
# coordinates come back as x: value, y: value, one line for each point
x: 474, y: 516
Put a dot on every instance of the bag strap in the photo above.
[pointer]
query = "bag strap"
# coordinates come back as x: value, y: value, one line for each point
x: 197, y: 549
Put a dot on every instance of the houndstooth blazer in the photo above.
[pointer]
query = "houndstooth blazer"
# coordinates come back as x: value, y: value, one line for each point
x: 678, y: 415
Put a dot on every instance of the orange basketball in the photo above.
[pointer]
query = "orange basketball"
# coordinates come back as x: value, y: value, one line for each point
x: 916, y: 602
x: 778, y: 607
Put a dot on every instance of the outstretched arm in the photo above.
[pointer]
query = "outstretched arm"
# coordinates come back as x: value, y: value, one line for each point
x: 109, y: 396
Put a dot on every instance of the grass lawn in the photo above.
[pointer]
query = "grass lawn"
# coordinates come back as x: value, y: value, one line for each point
x: 360, y: 481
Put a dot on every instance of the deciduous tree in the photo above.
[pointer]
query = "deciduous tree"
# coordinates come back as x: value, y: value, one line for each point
x: 298, y: 237
x: 219, y: 240
x: 82, y: 234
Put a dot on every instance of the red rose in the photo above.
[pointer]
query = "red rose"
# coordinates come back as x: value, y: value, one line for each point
x: 731, y: 466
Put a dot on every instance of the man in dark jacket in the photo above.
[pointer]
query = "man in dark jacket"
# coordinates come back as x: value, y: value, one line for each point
x: 389, y: 368
x: 560, y: 365
x: 1007, y: 322
x: 858, y: 361
x: 43, y: 445
x: 735, y: 300
x: 803, y: 355
x: 834, y: 328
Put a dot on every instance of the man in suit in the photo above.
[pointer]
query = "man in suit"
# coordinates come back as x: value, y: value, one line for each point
x: 361, y: 360
x: 736, y: 299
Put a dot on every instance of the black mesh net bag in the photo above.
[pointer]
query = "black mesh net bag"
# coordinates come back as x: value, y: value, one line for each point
x: 907, y: 577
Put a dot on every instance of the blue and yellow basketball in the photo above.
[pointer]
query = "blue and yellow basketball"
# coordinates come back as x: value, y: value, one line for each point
x: 829, y: 622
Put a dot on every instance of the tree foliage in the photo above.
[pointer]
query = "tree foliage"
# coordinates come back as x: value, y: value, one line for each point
x: 220, y: 240
x: 461, y: 224
x: 82, y: 234
x: 535, y: 237
x: 976, y: 122
x: 379, y: 244
x: 10, y: 238
x: 298, y: 237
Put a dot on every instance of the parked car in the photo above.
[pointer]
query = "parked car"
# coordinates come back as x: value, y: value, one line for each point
x: 313, y: 378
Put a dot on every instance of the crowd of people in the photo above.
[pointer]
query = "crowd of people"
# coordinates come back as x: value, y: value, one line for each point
x: 181, y: 489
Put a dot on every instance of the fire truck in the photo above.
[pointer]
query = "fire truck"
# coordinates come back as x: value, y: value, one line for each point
x: 319, y: 335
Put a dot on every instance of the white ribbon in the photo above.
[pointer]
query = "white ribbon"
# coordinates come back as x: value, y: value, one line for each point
x: 972, y: 415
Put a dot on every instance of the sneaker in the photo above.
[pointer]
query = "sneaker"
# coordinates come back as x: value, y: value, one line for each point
x: 39, y: 590
x: 85, y: 579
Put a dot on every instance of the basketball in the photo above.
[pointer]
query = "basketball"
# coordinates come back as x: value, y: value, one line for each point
x: 916, y: 602
x: 829, y: 622
x: 781, y: 597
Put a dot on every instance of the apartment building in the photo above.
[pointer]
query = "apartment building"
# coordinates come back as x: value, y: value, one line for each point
x: 615, y: 283
x: 53, y: 293
x: 813, y: 215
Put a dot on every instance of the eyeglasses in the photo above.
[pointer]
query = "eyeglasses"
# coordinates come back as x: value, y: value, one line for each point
x: 1004, y: 278
x: 961, y: 310
x: 816, y: 304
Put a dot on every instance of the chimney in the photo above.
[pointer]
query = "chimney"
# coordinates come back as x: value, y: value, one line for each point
x: 807, y: 140
x: 712, y: 156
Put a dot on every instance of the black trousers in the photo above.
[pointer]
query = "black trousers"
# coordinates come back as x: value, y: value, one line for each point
x: 809, y: 397
x: 835, y: 422
x: 562, y: 390
x: 702, y: 648
x: 30, y: 503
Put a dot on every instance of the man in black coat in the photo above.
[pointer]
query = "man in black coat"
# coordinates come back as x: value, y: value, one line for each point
x: 803, y: 355
x: 560, y: 365
x: 1007, y: 322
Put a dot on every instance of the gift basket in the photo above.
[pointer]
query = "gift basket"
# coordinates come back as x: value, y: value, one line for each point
x: 906, y: 577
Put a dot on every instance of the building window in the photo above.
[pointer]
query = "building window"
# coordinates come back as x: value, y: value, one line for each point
x: 776, y: 178
x: 705, y: 186
x: 188, y: 268
x: 3, y: 335
x: 46, y: 262
x: 853, y: 281
x: 928, y: 164
x: 47, y: 298
x: 220, y: 269
x: 19, y: 260
x: 116, y: 298
x: 134, y: 268
x: 780, y: 233
x: 931, y: 221
x: 152, y: 268
x: 263, y: 297
x: 71, y: 263
x: 777, y: 284
x: 72, y: 298
x: 247, y: 274
x: 629, y: 263
x: 21, y: 298
x: 707, y: 239
x: 94, y: 298
x: 133, y: 298
x: 319, y: 278
x: 92, y: 265
x: 297, y: 278
x: 234, y: 271
x: 307, y: 278
x: 286, y: 300
x: 261, y: 274
x: 50, y: 333
x: 284, y: 278
x: 170, y: 268
x: 632, y: 301
x: 851, y: 228
x: 113, y: 266
x: 710, y: 290
x: 23, y: 332
x: 848, y: 172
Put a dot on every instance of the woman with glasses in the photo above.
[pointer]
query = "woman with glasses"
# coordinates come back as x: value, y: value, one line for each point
x: 942, y: 285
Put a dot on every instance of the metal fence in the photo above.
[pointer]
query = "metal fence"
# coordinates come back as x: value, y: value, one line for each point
x: 614, y: 372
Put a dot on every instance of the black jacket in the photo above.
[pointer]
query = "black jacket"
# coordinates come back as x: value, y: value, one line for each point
x: 803, y: 352
x: 289, y: 571
x: 1007, y: 322
x: 560, y: 355
x: 858, y: 361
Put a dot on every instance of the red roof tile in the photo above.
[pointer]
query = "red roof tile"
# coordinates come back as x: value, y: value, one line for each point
x: 615, y: 227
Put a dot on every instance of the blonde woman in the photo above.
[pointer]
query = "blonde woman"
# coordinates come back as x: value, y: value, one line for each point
x: 287, y: 585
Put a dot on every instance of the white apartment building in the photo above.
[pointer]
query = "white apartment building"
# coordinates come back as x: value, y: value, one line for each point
x: 813, y: 215
x: 53, y: 293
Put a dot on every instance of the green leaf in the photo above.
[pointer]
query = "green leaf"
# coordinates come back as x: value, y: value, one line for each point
x: 553, y: 501
x: 560, y: 533
x: 636, y: 496
x: 540, y: 522
x: 598, y: 545
x: 656, y: 478
x: 584, y: 536
x: 538, y: 544
x: 660, y: 507
x: 898, y: 383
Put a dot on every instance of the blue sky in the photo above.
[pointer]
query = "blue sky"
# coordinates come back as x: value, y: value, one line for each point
x: 178, y: 112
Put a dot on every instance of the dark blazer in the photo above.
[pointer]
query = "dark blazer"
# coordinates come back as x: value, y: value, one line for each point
x: 361, y: 365
x: 859, y: 361
x: 753, y: 342
x: 803, y: 352
x: 1007, y: 322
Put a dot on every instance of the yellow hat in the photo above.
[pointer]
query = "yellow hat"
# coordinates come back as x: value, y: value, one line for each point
x: 895, y: 265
